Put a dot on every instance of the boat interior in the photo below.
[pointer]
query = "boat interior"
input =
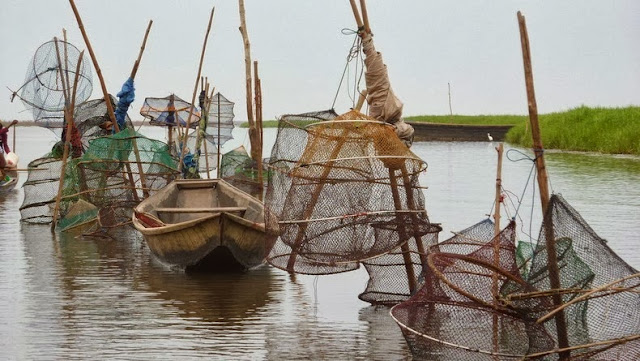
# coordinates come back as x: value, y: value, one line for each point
x: 186, y: 200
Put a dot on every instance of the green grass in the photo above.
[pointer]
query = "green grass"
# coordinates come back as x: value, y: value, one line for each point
x: 604, y: 130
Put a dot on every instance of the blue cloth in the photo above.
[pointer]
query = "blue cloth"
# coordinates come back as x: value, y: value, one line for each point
x: 126, y: 96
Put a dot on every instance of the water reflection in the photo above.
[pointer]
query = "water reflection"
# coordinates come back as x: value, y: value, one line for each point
x: 66, y: 297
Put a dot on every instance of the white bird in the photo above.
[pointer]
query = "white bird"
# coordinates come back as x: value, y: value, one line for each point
x: 490, y: 137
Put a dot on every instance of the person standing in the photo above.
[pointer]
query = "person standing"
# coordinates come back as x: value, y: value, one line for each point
x: 4, y: 148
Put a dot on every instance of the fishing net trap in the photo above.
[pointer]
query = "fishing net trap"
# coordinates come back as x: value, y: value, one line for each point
x: 481, y: 302
x: 52, y: 70
x: 342, y: 192
x: 114, y: 174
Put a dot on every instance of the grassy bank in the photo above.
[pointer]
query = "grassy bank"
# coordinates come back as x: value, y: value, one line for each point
x: 446, y: 119
x: 470, y: 119
x: 604, y: 130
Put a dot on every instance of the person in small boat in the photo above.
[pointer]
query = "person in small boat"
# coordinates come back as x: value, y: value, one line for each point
x: 4, y: 148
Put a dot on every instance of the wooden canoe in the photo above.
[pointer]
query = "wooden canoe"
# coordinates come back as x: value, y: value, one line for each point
x: 7, y: 186
x: 204, y: 224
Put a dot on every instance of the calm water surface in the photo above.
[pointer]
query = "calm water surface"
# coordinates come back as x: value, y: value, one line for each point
x: 76, y: 298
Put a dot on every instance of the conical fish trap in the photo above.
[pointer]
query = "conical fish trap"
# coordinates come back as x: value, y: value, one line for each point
x: 343, y: 191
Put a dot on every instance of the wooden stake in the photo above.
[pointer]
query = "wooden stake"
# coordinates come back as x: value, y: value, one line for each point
x: 552, y: 260
x: 496, y: 245
x: 258, y: 99
x: 411, y: 204
x: 107, y: 99
x: 14, y: 141
x: 68, y: 114
x: 253, y: 134
x: 450, y: 109
x: 195, y: 91
x: 208, y: 101
x: 66, y: 60
x: 63, y: 75
x: 496, y: 214
x: 361, y: 99
x: 134, y: 142
x: 136, y: 64
x: 218, y: 170
x: 406, y: 252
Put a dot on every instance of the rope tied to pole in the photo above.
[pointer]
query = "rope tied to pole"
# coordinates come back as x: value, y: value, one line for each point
x: 354, y: 53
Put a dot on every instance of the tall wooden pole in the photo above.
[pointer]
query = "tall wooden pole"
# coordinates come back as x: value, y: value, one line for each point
x: 406, y: 251
x: 68, y: 114
x: 356, y: 14
x: 219, y: 150
x: 496, y: 245
x: 136, y: 64
x: 365, y: 16
x: 66, y: 60
x: 258, y: 99
x: 134, y: 71
x: 183, y: 151
x: 552, y: 259
x: 253, y: 132
x: 498, y: 197
x: 107, y: 99
x: 206, y: 151
x: 450, y: 108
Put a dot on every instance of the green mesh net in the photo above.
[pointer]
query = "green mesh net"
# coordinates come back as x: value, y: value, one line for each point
x: 113, y: 175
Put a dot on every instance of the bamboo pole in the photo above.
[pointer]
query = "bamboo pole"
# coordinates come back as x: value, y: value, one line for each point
x: 450, y: 108
x: 411, y: 204
x: 253, y: 136
x: 103, y: 86
x: 63, y: 75
x: 356, y: 14
x: 134, y: 142
x: 66, y: 60
x: 68, y: 114
x: 206, y: 150
x: 496, y: 246
x: 219, y: 157
x: 258, y: 99
x: 107, y: 99
x: 206, y: 105
x: 195, y: 91
x: 136, y: 64
x: 365, y: 16
x: 361, y: 99
x: 406, y: 252
x: 14, y: 141
x: 552, y: 260
x: 498, y: 196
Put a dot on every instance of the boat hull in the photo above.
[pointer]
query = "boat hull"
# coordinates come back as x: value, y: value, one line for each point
x: 7, y: 187
x: 215, y: 240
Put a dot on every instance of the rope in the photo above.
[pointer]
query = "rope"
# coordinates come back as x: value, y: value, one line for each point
x: 354, y: 53
x: 522, y: 157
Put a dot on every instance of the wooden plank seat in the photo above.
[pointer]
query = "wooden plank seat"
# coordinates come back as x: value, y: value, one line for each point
x: 201, y: 210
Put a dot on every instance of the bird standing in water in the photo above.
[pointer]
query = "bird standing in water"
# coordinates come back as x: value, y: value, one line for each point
x: 490, y: 137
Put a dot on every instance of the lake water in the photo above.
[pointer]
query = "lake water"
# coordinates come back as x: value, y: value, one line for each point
x: 67, y: 298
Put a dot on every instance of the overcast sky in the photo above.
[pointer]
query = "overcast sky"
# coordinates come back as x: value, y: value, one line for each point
x: 584, y: 51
